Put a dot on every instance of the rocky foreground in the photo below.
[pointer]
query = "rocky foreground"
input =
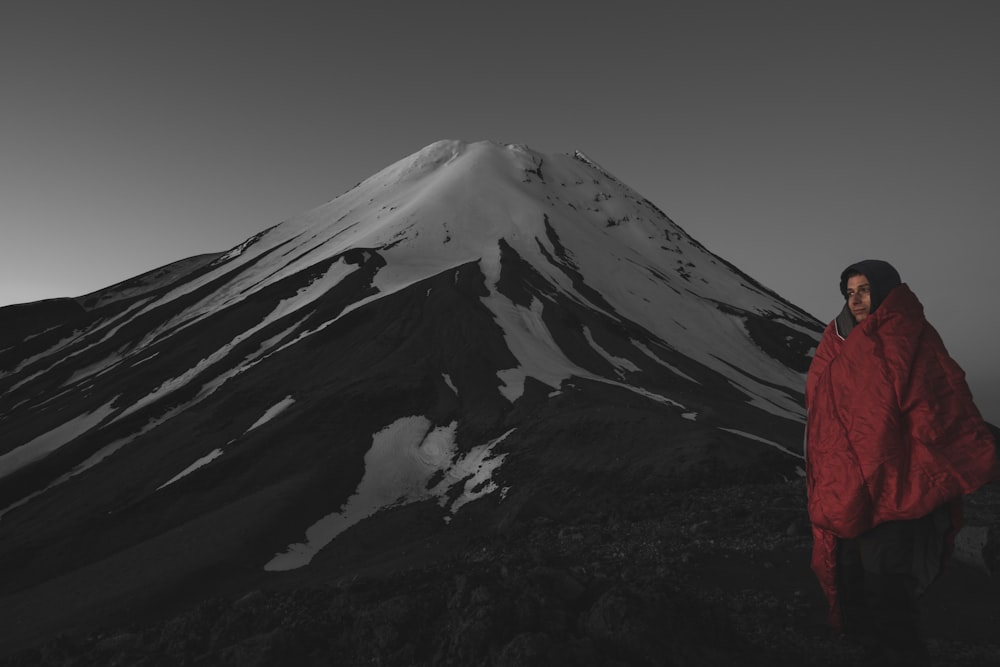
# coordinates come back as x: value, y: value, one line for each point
x: 713, y: 575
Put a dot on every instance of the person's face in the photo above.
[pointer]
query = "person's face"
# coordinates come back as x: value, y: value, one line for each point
x: 859, y: 297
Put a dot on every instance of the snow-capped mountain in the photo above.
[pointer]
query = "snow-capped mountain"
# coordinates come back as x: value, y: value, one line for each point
x: 476, y: 328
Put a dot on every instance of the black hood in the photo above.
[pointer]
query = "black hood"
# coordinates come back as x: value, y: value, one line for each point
x: 881, y: 276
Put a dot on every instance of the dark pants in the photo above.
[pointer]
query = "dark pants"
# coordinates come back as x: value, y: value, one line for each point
x: 880, y: 575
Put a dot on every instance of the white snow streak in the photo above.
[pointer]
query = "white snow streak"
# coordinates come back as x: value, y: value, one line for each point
x: 305, y: 296
x: 652, y: 355
x: 770, y: 399
x: 620, y: 363
x: 204, y: 460
x: 272, y: 412
x: 47, y: 443
x: 95, y: 458
x: 751, y: 436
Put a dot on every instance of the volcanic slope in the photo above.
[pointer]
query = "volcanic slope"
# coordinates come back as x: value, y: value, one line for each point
x: 474, y: 331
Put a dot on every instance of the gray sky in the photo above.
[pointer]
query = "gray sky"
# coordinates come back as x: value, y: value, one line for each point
x: 791, y: 138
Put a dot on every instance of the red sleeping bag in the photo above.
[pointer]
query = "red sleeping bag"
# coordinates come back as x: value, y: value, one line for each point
x: 892, y: 433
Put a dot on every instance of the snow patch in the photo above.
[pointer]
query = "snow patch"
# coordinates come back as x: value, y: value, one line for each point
x: 620, y: 364
x: 540, y: 357
x: 272, y: 412
x: 95, y: 458
x: 769, y: 399
x: 403, y: 458
x: 475, y: 470
x: 47, y: 443
x: 142, y: 361
x: 67, y: 342
x: 248, y: 283
x: 305, y: 296
x: 757, y: 438
x: 95, y: 369
x: 57, y: 347
x: 532, y: 345
x: 204, y: 460
x: 652, y: 355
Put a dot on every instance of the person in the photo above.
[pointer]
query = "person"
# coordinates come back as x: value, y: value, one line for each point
x: 893, y: 442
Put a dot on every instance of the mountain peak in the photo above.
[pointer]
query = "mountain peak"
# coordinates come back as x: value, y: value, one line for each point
x: 473, y: 321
